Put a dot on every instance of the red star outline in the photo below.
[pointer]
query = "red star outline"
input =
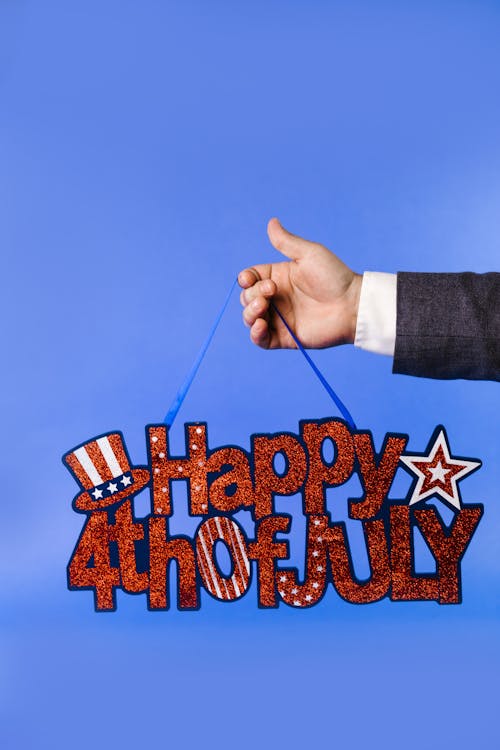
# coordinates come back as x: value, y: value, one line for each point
x: 454, y: 469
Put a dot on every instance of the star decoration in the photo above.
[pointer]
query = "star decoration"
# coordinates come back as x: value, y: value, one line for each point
x: 125, y: 480
x: 97, y: 494
x: 437, y: 473
x: 112, y: 487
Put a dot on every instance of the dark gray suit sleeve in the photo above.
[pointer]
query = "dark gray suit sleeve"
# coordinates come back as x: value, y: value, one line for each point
x: 448, y: 325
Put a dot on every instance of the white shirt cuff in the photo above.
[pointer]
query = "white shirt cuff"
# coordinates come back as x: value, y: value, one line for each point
x: 376, y: 324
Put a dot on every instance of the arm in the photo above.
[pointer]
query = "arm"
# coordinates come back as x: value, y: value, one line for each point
x: 436, y: 325
x: 448, y: 325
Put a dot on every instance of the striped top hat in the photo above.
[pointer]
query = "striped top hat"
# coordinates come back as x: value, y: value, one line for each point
x: 102, y: 467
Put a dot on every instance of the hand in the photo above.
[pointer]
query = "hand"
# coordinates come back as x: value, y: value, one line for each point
x: 315, y: 291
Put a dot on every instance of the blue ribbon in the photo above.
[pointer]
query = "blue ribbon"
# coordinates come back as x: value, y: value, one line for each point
x: 326, y: 385
x: 182, y: 392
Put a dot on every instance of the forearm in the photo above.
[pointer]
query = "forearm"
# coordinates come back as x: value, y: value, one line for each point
x: 448, y: 325
x: 436, y: 325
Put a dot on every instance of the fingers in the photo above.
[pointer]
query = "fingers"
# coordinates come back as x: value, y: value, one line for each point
x: 258, y: 308
x: 287, y: 243
x: 264, y: 288
x: 250, y: 275
x: 260, y: 334
x: 255, y: 298
x: 258, y: 288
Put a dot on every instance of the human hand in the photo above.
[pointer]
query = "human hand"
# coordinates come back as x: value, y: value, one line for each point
x: 315, y: 291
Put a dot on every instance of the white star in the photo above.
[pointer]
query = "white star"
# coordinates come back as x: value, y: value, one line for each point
x: 320, y: 568
x: 315, y: 585
x: 432, y: 479
x: 308, y: 598
x: 112, y: 487
x: 316, y: 521
x: 320, y: 539
x: 295, y: 591
x: 282, y: 579
x: 438, y: 473
x: 315, y: 553
x: 97, y: 494
x: 296, y: 603
x: 125, y: 480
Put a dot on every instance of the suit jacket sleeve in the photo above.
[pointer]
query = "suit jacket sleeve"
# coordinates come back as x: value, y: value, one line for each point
x: 448, y: 325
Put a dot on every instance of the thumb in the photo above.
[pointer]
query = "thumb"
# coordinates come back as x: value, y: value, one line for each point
x: 287, y: 243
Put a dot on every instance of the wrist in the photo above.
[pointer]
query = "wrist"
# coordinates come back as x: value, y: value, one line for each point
x: 353, y: 295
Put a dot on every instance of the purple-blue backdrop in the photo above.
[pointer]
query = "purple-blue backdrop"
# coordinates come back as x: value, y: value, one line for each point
x: 143, y: 147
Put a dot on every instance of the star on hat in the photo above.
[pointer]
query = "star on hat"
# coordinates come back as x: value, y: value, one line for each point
x: 437, y: 473
x: 102, y: 468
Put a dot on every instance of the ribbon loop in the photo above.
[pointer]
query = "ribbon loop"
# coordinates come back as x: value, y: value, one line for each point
x: 186, y: 385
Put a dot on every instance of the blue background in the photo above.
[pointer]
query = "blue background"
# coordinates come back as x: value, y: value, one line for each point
x: 143, y: 147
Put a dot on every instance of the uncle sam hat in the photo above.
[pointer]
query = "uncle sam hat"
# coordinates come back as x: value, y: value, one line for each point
x: 102, y: 468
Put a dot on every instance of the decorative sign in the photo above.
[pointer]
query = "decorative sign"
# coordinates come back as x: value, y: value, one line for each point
x: 118, y: 550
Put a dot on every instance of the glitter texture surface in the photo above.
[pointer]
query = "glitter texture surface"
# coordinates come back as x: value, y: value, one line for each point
x: 344, y: 579
x: 448, y: 546
x: 407, y: 586
x: 309, y: 592
x: 101, y: 576
x: 265, y: 550
x: 225, y: 588
x: 163, y: 550
x: 267, y: 481
x: 376, y: 479
x: 320, y: 473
